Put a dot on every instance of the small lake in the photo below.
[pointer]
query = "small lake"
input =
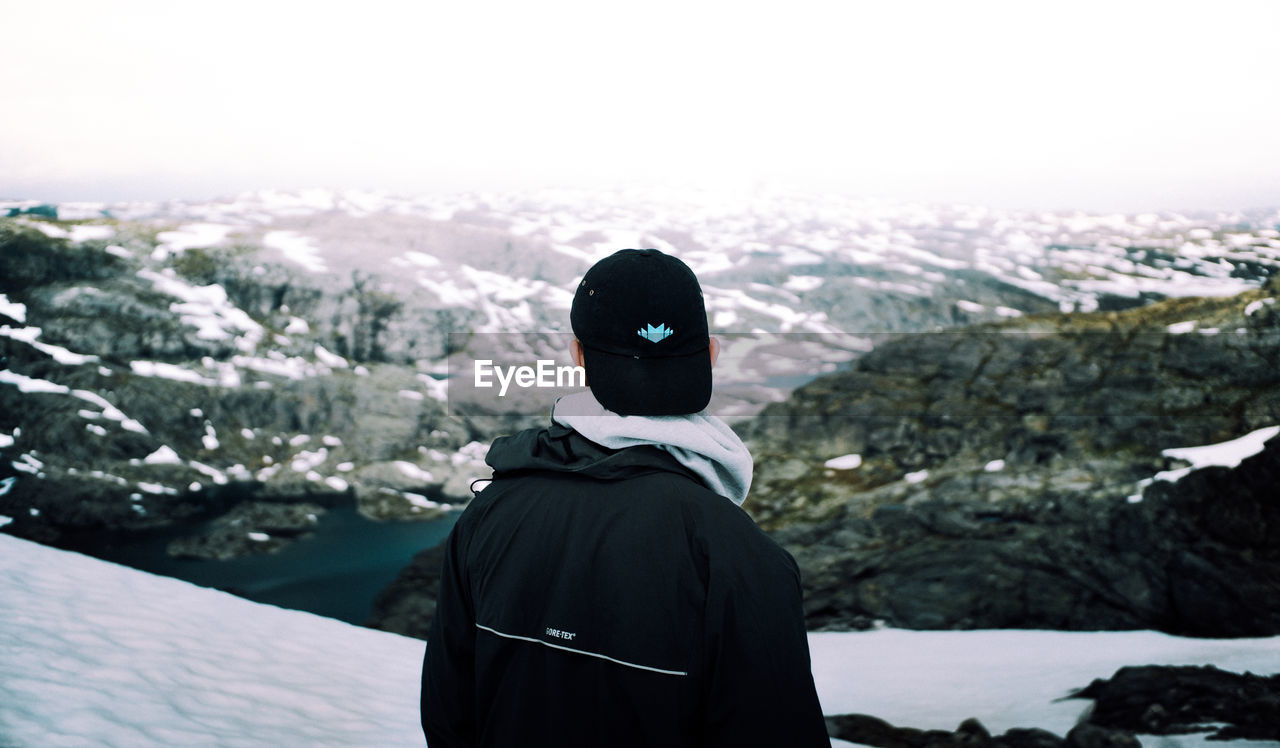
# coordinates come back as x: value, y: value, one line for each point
x: 336, y: 572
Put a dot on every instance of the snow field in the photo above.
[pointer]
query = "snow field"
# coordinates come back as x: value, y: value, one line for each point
x: 96, y: 654
x: 99, y: 654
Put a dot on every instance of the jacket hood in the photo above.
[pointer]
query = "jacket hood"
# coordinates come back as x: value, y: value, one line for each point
x: 699, y: 441
x: 558, y: 448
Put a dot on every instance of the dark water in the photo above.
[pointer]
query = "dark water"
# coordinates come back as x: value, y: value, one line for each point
x: 336, y: 572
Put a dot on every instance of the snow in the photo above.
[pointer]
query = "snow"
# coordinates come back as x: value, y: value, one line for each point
x: 110, y: 411
x: 163, y: 456
x: 937, y: 679
x: 156, y: 488
x: 414, y: 472
x: 421, y: 259
x: 86, y: 233
x: 207, y: 308
x: 98, y: 654
x: 994, y: 466
x: 210, y: 438
x: 190, y: 236
x: 420, y: 502
x: 28, y: 335
x: 306, y: 461
x: 916, y: 477
x: 1224, y: 454
x: 471, y: 453
x: 296, y: 248
x: 437, y: 389
x: 802, y: 283
x: 13, y: 309
x: 332, y: 360
x: 28, y: 384
x: 844, y: 462
x: 169, y: 371
x: 1256, y: 306
x: 48, y: 229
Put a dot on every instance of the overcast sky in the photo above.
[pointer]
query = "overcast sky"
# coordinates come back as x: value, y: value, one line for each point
x: 1104, y: 106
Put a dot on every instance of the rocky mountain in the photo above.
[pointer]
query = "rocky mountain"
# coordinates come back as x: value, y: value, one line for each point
x: 168, y: 362
x: 1029, y: 474
x: 1025, y: 476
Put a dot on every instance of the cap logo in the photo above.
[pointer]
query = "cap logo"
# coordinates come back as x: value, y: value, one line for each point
x: 655, y: 334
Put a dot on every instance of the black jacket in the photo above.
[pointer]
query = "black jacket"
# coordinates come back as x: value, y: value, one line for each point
x: 595, y: 597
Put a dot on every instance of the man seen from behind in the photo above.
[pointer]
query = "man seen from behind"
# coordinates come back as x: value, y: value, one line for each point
x: 606, y: 589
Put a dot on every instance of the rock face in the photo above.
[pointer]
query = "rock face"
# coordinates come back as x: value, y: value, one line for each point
x: 1169, y: 700
x: 1005, y: 478
x: 1146, y: 700
x: 167, y: 363
x: 408, y: 604
x: 866, y: 730
x: 252, y: 527
x: 1197, y: 557
x: 137, y: 392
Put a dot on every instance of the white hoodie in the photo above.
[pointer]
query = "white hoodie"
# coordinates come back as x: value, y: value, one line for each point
x: 699, y: 441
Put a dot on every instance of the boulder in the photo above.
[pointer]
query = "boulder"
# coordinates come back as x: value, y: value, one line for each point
x: 1178, y: 700
x: 249, y: 528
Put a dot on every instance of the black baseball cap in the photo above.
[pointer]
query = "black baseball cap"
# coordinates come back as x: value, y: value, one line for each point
x: 640, y: 318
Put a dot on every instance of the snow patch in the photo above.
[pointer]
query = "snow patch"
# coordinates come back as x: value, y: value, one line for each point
x: 190, y: 236
x: 1224, y: 454
x: 163, y: 456
x: 414, y: 472
x: 844, y: 462
x: 208, y: 309
x: 13, y: 309
x: 28, y: 384
x: 296, y: 248
x: 332, y: 360
x: 174, y: 372
x: 97, y: 655
x: 84, y: 233
x: 1256, y: 306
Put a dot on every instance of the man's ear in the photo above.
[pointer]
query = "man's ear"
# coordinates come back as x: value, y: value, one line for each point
x: 714, y: 345
x: 575, y: 353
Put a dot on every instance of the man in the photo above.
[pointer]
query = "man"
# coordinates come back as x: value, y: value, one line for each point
x: 606, y: 589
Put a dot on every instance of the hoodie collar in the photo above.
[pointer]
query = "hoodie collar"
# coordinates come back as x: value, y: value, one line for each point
x: 700, y: 442
x: 558, y: 448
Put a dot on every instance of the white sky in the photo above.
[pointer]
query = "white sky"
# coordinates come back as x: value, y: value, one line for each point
x: 1098, y: 105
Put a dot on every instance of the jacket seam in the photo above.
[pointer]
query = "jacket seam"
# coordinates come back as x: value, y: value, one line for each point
x: 637, y: 666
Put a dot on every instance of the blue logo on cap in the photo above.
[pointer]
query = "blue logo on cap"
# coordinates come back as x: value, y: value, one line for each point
x: 655, y: 334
